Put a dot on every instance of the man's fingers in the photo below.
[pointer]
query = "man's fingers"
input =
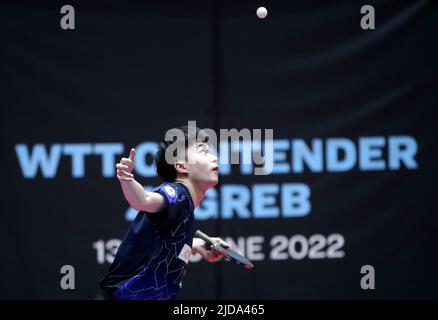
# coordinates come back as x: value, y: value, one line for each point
x: 215, y: 256
x: 132, y: 154
x: 202, y: 251
x: 126, y: 161
x: 124, y: 174
x: 122, y: 166
x: 124, y: 178
x: 219, y: 258
x: 222, y: 242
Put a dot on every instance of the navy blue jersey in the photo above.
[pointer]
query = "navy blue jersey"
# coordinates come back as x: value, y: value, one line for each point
x: 153, y: 256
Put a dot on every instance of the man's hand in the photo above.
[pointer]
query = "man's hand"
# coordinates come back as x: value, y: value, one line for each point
x: 134, y: 193
x: 207, y: 251
x: 125, y: 167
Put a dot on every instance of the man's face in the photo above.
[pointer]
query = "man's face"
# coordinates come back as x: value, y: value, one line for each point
x: 202, y: 166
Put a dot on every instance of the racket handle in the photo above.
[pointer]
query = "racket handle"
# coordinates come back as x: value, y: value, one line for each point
x: 203, y: 236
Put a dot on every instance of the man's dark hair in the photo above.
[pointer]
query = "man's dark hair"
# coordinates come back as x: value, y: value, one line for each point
x: 165, y: 170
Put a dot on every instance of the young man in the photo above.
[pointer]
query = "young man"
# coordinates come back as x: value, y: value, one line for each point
x: 153, y: 256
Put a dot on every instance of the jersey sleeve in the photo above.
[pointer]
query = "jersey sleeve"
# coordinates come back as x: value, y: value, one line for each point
x: 173, y: 209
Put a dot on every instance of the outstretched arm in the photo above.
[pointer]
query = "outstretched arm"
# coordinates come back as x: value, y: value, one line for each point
x: 134, y: 193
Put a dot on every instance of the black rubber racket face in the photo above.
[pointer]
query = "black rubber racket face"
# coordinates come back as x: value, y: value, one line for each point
x: 234, y: 256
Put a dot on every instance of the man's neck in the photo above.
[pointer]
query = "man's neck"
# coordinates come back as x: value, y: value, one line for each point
x: 196, y: 193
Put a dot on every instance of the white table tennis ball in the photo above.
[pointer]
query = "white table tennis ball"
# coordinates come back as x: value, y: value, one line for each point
x: 262, y: 12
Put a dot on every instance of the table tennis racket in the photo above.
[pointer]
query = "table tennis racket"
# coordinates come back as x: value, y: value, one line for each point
x: 228, y: 253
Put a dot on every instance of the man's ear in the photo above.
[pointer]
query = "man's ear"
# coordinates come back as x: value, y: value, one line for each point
x: 180, y: 167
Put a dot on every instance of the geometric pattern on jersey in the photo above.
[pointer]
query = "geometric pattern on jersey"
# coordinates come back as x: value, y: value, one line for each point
x: 162, y: 278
